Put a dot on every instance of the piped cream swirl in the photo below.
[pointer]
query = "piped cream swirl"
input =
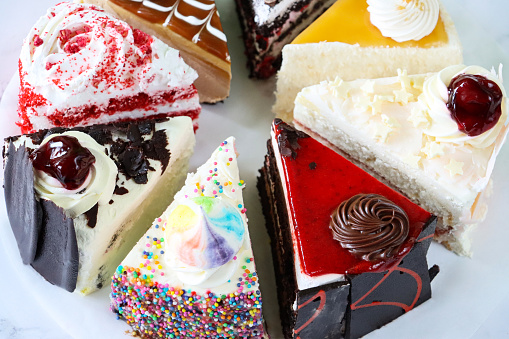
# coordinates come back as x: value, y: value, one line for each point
x: 404, y: 20
x: 97, y: 188
x: 442, y: 126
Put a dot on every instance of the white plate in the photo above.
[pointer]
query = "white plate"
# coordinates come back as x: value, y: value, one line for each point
x: 464, y: 293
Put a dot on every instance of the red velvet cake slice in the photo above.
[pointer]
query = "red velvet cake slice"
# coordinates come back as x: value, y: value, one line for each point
x: 349, y: 252
x: 81, y: 66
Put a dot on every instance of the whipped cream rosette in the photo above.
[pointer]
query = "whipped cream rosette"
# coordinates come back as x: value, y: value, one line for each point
x: 404, y: 20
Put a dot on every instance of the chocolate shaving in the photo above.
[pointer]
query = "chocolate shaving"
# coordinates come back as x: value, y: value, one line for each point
x: 370, y: 226
x: 120, y: 190
x: 288, y: 139
x: 91, y: 215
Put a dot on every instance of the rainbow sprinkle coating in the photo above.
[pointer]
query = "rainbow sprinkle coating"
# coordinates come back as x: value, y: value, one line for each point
x: 159, y: 311
x: 147, y: 290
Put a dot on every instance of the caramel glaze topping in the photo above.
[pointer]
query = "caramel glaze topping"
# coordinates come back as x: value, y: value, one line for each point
x: 196, y: 20
x: 370, y: 226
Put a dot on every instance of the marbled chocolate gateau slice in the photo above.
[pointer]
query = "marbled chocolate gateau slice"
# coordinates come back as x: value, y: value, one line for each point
x: 81, y: 66
x: 79, y: 199
x: 349, y: 252
x: 192, y: 275
x: 268, y: 25
x: 193, y: 28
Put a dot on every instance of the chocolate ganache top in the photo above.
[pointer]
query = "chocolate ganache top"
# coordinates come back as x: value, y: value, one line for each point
x: 370, y: 226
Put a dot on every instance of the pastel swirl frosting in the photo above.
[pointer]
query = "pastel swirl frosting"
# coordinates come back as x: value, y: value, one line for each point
x: 79, y: 51
x: 203, y: 235
x: 404, y: 20
x: 97, y: 188
x: 370, y: 226
x: 442, y: 126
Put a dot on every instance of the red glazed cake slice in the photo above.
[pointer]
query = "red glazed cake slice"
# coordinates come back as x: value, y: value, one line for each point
x: 81, y: 66
x: 338, y: 235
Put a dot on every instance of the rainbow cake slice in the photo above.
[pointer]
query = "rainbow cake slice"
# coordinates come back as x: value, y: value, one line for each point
x: 435, y: 137
x: 192, y: 275
x: 79, y: 199
x: 193, y: 28
x: 81, y: 66
x: 364, y: 39
x: 349, y: 252
x: 268, y: 25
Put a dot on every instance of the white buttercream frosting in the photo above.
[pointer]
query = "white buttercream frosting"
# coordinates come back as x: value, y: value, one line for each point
x: 97, y: 188
x: 77, y: 54
x: 442, y: 126
x: 404, y: 20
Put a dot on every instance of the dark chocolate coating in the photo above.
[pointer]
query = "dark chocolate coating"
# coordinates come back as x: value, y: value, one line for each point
x: 399, y: 286
x: 23, y: 209
x: 329, y: 304
x: 57, y: 257
x: 45, y: 237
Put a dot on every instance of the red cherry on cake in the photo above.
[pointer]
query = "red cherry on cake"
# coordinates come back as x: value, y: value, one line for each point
x: 475, y: 103
x: 63, y: 158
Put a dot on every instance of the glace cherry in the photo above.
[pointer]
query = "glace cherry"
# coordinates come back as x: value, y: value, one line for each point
x: 475, y: 103
x: 63, y: 158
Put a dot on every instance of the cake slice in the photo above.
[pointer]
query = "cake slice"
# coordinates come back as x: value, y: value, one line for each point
x: 193, y: 28
x: 359, y: 39
x: 81, y: 66
x: 268, y: 25
x: 349, y: 252
x: 193, y: 274
x: 435, y: 137
x: 79, y: 199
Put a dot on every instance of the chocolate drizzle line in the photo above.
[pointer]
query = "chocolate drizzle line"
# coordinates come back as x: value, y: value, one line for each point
x: 370, y: 226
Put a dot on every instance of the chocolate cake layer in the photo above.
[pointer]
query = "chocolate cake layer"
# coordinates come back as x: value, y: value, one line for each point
x: 274, y: 208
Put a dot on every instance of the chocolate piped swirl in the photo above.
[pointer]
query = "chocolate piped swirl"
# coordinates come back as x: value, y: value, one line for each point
x: 370, y: 226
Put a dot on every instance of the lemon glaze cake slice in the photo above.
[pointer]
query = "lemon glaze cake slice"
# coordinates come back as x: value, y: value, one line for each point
x: 79, y: 199
x: 80, y: 66
x: 192, y: 275
x: 193, y: 28
x: 363, y: 39
x: 435, y: 137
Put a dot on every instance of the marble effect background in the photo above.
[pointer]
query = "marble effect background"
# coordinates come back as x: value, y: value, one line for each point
x: 21, y: 317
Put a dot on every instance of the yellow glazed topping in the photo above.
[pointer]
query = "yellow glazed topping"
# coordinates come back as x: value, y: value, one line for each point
x: 348, y: 21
